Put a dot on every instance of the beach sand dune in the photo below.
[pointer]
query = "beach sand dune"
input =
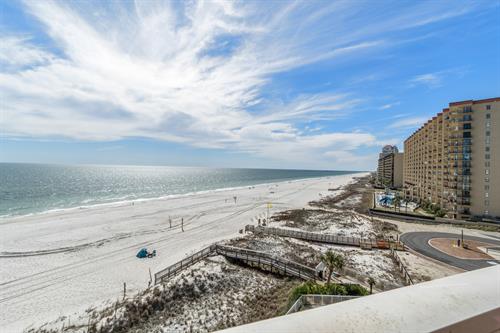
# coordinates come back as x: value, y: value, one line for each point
x: 63, y: 262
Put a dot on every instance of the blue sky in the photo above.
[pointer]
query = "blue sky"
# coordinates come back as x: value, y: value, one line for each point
x: 297, y: 84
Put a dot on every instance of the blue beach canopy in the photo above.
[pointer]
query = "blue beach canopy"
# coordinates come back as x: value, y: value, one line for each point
x: 143, y: 253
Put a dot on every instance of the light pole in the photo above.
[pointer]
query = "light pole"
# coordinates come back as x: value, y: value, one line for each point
x: 268, y: 206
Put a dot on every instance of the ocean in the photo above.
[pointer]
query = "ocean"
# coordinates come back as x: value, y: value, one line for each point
x: 35, y: 188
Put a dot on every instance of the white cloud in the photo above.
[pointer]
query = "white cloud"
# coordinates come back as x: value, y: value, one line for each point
x: 436, y: 79
x: 18, y: 51
x: 389, y: 105
x: 432, y: 80
x: 192, y: 74
x: 409, y: 122
x: 347, y: 159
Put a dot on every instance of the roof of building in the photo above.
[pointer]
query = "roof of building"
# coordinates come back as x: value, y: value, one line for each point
x: 471, y: 101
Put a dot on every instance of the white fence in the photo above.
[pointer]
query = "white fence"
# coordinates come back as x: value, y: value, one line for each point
x: 317, y: 300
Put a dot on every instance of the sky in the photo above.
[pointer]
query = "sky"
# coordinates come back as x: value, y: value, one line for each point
x: 275, y: 84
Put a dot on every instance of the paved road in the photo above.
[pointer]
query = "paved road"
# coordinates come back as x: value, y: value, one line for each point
x: 419, y: 241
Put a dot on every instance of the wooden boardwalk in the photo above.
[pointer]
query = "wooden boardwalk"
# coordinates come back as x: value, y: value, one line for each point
x: 172, y: 270
x: 259, y: 259
x: 365, y: 243
x: 269, y: 262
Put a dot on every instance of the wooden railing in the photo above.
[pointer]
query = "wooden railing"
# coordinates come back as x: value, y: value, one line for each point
x: 184, y: 263
x: 262, y: 259
x: 328, y: 238
x: 402, y: 268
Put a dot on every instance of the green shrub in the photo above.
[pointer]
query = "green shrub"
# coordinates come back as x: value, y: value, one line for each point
x: 356, y: 290
x: 310, y: 287
x: 433, y: 209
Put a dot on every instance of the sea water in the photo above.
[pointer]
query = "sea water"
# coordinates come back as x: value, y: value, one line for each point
x: 34, y: 188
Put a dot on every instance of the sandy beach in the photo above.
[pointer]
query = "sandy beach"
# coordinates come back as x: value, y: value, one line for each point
x: 58, y: 263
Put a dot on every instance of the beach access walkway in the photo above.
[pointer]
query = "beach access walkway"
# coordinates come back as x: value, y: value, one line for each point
x: 364, y: 243
x: 252, y: 258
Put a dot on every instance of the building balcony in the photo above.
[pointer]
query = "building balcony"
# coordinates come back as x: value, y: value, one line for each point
x: 463, y: 173
x: 459, y: 143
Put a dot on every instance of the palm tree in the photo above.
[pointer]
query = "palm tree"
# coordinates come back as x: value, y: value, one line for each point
x: 371, y: 282
x: 332, y: 261
x: 397, y: 201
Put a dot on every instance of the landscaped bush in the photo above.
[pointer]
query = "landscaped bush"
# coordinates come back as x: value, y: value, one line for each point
x: 310, y: 287
x: 433, y: 209
x: 356, y: 290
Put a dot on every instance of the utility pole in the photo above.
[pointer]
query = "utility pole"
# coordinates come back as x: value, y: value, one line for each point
x: 462, y: 243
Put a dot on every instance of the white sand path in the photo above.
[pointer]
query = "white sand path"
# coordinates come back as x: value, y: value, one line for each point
x: 63, y: 262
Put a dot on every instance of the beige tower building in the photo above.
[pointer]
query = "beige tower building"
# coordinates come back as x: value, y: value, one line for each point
x: 390, y: 167
x: 454, y: 160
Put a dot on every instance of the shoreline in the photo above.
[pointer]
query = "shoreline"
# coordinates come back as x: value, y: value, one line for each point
x: 119, y: 203
x: 99, y: 244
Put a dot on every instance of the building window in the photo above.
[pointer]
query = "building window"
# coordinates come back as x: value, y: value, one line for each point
x: 467, y: 126
x: 486, y: 212
x: 488, y: 140
x: 488, y: 133
x: 487, y: 156
x: 487, y: 171
x: 467, y: 135
x: 488, y: 124
x: 487, y: 148
x: 486, y: 179
x: 486, y: 187
x: 487, y: 164
x: 488, y: 115
x: 486, y: 194
x: 486, y: 202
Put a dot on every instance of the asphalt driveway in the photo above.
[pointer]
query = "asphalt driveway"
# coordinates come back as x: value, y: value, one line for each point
x: 419, y: 242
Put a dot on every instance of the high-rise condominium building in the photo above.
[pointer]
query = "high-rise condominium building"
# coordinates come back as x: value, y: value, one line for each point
x: 390, y: 167
x: 454, y: 160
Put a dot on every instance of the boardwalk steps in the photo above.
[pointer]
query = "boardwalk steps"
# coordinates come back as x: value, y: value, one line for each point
x: 184, y: 263
x: 364, y: 243
x: 260, y: 259
x: 271, y: 262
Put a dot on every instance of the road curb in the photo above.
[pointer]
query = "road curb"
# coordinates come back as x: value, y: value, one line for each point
x: 458, y: 269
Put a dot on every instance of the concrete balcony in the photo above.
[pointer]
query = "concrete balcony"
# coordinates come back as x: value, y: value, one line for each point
x: 466, y: 302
